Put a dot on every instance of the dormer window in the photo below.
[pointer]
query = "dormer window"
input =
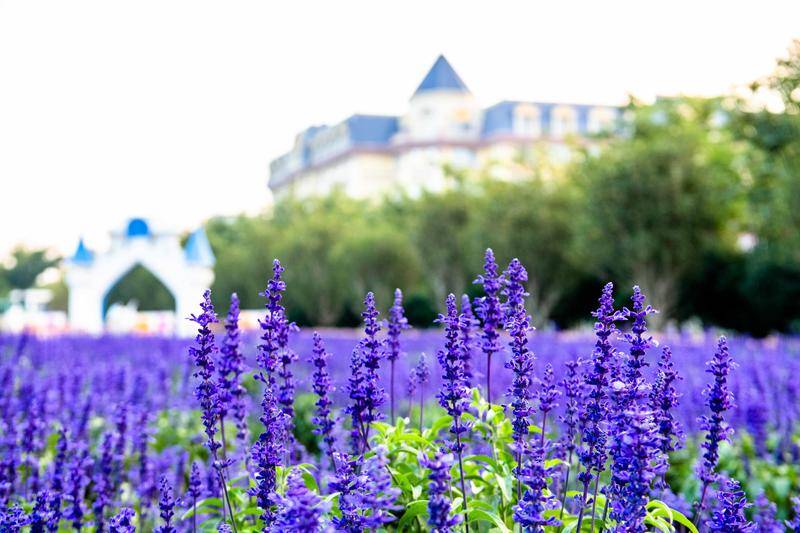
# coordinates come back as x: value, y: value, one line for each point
x: 564, y: 121
x: 527, y: 121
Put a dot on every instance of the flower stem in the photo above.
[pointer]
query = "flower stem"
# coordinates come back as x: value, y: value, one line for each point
x: 420, y: 408
x: 463, y: 483
x: 391, y: 390
x: 566, y: 486
x: 583, y: 503
x: 489, y: 378
x: 594, y: 499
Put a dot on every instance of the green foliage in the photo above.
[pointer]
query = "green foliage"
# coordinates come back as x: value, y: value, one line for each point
x: 303, y: 426
x: 533, y: 219
x: 23, y: 267
x: 753, y: 292
x: 773, y: 162
x: 655, y: 200
x: 140, y: 285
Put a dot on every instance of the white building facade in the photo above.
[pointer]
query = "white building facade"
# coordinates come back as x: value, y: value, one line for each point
x: 367, y: 156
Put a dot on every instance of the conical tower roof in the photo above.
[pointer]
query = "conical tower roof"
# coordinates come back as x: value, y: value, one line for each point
x: 440, y: 77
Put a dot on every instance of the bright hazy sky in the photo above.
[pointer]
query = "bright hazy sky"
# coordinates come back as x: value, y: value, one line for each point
x: 173, y: 109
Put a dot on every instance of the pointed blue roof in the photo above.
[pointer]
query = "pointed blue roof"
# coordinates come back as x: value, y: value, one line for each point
x: 198, y: 249
x: 82, y: 254
x: 441, y: 76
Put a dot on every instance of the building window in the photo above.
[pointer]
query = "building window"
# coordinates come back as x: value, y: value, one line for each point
x: 527, y: 121
x: 564, y: 122
x: 601, y: 119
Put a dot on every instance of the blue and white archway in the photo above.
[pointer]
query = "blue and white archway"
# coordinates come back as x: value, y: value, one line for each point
x: 185, y: 271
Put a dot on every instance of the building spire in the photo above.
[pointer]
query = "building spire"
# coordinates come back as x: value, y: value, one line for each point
x: 440, y: 77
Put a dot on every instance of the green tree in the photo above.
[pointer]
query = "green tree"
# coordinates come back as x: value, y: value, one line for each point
x: 532, y: 220
x: 244, y: 248
x: 774, y: 162
x: 24, y: 266
x: 317, y: 278
x: 377, y: 258
x: 441, y: 229
x: 654, y: 200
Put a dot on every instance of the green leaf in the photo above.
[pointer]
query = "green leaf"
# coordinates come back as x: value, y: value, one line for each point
x: 661, y: 509
x: 682, y: 520
x: 659, y: 523
x: 502, y: 484
x: 488, y: 516
x: 482, y: 459
x: 439, y: 424
x: 413, y: 510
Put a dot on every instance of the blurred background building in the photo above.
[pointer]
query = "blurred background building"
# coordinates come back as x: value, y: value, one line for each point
x: 370, y: 155
x: 185, y: 271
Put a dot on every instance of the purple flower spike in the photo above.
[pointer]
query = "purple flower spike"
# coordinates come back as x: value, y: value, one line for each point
x: 719, y: 399
x: 349, y: 486
x: 57, y: 481
x: 274, y: 355
x: 548, y: 393
x: 78, y: 481
x: 357, y: 393
x: 379, y: 496
x: 322, y: 387
x: 38, y: 518
x: 491, y: 314
x: 374, y: 396
x: 268, y: 453
x: 202, y: 354
x: 453, y: 395
x: 274, y: 333
x: 397, y: 323
x: 663, y: 401
x: 573, y: 393
x: 521, y: 364
x: 469, y: 325
x: 123, y: 521
x: 593, y: 452
x: 515, y: 279
x: 639, y: 342
x: 166, y: 506
x: 729, y: 515
x: 439, y: 503
x: 103, y: 484
x: 231, y: 367
x: 13, y: 519
x: 636, y: 463
x: 529, y: 511
x: 300, y: 511
x: 419, y: 376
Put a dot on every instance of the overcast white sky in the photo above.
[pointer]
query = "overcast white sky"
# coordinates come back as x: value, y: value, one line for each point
x: 173, y: 109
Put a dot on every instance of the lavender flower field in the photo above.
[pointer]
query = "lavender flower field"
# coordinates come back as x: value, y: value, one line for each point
x: 481, y: 424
